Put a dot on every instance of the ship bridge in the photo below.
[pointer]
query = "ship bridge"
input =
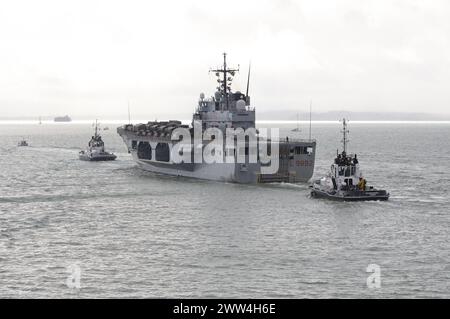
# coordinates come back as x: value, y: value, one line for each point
x: 226, y: 109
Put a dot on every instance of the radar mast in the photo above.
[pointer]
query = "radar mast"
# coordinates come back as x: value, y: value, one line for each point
x: 96, y: 128
x: 345, y: 133
x: 224, y: 78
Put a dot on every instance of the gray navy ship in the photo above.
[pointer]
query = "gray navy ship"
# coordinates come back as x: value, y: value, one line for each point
x: 152, y: 144
x: 65, y: 118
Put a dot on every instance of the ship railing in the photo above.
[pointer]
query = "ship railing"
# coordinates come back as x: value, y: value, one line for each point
x: 293, y: 140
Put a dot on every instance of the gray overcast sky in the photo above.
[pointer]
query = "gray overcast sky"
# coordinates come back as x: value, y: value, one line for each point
x: 90, y: 57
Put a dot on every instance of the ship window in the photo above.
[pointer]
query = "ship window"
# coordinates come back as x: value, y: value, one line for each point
x: 230, y: 151
x: 133, y: 145
x: 299, y: 150
x: 162, y: 152
x: 347, y: 171
x: 144, y: 151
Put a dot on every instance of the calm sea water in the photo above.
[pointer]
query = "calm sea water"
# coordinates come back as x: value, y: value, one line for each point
x: 134, y: 234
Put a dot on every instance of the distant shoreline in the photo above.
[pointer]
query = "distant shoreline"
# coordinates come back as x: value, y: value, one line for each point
x: 121, y: 122
x: 279, y: 116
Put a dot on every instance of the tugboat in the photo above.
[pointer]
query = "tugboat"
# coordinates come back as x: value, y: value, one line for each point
x: 22, y: 143
x: 96, y: 149
x: 345, y: 181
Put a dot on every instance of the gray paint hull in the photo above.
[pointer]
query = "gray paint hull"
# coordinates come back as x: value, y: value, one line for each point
x: 293, y: 168
x: 356, y: 197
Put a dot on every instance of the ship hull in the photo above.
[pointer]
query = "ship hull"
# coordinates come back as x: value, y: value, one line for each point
x: 214, y: 172
x: 294, y: 168
x: 224, y: 173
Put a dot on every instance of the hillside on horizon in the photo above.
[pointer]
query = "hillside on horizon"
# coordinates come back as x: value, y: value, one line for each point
x: 281, y: 115
x: 290, y: 115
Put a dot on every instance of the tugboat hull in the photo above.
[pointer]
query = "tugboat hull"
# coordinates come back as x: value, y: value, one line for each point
x: 97, y: 158
x: 352, y: 196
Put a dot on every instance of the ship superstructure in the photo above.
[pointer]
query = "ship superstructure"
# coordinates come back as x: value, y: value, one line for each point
x: 152, y: 144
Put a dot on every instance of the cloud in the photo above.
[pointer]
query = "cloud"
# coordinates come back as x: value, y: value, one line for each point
x: 92, y: 56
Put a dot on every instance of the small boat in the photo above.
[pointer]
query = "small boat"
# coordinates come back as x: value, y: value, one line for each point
x: 22, y: 143
x: 345, y: 181
x: 96, y: 149
x: 297, y: 129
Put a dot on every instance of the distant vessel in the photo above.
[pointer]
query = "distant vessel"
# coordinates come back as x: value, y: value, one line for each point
x: 63, y: 119
x: 151, y: 144
x: 345, y: 181
x: 297, y: 129
x: 23, y: 142
x: 96, y: 149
